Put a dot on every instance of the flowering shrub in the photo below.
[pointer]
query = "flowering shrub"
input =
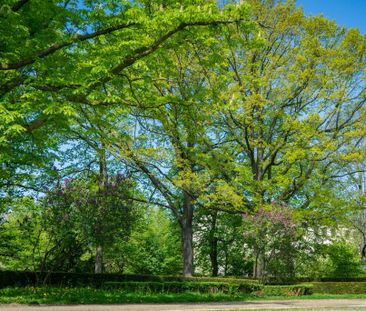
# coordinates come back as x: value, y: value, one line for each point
x: 273, y: 236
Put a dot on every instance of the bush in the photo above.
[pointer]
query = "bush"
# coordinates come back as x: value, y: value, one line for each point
x: 344, y: 260
x: 336, y: 288
x: 181, y: 287
x: 285, y: 290
x: 275, y: 238
x: 340, y: 279
x: 24, y: 278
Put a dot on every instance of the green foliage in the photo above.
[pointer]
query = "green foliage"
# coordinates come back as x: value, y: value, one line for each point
x: 26, y: 236
x: 72, y: 279
x: 99, y: 215
x: 154, y: 246
x: 275, y: 239
x: 286, y: 290
x: 338, y: 288
x: 344, y: 260
x: 59, y: 232
x: 219, y: 242
x: 181, y: 287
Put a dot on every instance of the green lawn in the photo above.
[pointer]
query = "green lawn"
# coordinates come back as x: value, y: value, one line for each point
x: 54, y: 295
x: 57, y: 295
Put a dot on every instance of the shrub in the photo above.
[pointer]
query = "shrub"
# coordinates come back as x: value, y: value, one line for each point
x: 275, y: 239
x: 344, y: 260
x: 24, y: 278
x: 186, y: 286
x: 285, y: 290
x: 336, y: 288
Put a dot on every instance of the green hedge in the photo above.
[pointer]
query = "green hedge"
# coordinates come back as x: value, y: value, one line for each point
x: 25, y: 278
x: 339, y: 287
x: 180, y: 287
x: 286, y: 290
x: 330, y: 279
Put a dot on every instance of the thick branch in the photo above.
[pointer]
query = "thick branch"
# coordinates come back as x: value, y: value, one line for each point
x: 57, y: 46
x: 18, y: 5
x: 146, y: 50
x: 37, y: 123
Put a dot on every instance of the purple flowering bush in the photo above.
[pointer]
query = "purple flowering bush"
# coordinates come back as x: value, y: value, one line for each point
x: 274, y: 238
x: 83, y: 215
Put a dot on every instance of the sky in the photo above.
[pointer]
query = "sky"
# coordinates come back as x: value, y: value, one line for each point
x: 350, y: 13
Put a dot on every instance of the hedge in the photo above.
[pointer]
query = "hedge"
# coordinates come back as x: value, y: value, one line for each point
x: 180, y: 287
x: 336, y: 288
x: 294, y: 281
x: 355, y: 279
x: 26, y: 278
x: 286, y: 290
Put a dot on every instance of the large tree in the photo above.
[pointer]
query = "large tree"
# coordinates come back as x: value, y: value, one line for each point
x: 171, y: 145
x: 293, y: 107
x: 58, y: 55
x: 67, y: 57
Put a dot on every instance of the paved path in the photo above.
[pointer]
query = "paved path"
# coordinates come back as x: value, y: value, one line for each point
x: 328, y: 304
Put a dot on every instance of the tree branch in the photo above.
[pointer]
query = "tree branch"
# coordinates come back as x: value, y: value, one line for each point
x: 18, y: 5
x: 146, y: 50
x: 57, y: 46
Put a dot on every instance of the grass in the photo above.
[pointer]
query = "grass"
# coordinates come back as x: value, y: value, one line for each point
x: 59, y: 295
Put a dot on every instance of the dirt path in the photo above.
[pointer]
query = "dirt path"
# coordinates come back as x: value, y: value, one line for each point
x: 330, y: 304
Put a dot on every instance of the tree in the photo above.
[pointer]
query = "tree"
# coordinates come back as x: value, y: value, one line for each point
x: 276, y: 93
x: 154, y: 246
x: 100, y: 214
x: 352, y: 184
x: 293, y: 107
x: 275, y: 239
x: 344, y: 261
x: 66, y: 57
x: 63, y: 54
x: 219, y: 243
x: 171, y: 145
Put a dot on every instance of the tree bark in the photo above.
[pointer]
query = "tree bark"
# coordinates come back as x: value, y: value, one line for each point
x: 103, y: 181
x: 187, y: 236
x: 98, y: 259
x: 103, y: 173
x: 213, y: 257
x: 363, y: 251
x: 258, y: 267
x: 213, y: 246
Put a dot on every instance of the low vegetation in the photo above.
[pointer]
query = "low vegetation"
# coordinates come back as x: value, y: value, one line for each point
x: 89, y: 295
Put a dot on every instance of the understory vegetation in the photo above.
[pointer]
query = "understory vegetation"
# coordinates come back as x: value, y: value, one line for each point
x: 89, y: 295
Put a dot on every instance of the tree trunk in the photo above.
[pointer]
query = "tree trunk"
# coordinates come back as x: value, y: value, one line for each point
x: 99, y: 259
x: 103, y: 172
x: 258, y: 268
x: 362, y: 218
x: 213, y: 256
x: 213, y: 241
x: 103, y: 181
x: 187, y: 236
x: 363, y: 250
